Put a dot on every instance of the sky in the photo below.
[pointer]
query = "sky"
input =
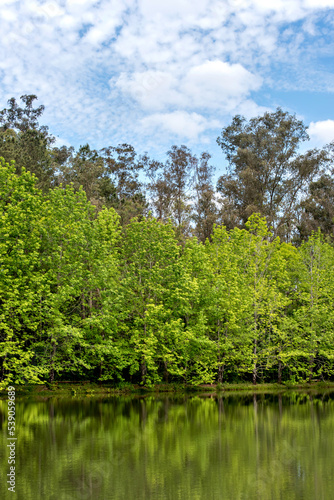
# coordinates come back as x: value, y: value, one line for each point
x: 153, y: 73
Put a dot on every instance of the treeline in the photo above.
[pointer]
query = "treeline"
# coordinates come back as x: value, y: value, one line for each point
x: 82, y: 297
x: 115, y: 267
x: 267, y: 175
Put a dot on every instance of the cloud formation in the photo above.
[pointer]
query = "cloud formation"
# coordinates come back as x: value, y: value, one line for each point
x: 321, y: 132
x: 113, y: 71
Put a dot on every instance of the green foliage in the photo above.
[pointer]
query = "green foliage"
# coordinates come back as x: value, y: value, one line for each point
x: 92, y: 287
x: 21, y: 280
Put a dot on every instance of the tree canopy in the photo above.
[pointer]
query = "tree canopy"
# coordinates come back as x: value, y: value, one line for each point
x: 267, y: 174
x: 116, y: 267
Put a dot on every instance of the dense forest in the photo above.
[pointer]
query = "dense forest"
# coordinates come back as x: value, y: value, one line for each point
x: 115, y: 267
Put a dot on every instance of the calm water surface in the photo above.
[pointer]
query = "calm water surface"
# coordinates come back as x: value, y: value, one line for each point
x: 173, y: 448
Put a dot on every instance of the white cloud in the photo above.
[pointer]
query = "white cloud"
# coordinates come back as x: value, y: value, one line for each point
x: 114, y: 69
x: 217, y: 83
x: 185, y: 9
x: 211, y: 85
x: 151, y: 89
x: 318, y: 4
x: 178, y: 123
x: 321, y: 132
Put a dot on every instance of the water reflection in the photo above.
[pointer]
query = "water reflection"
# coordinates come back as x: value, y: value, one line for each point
x: 182, y: 447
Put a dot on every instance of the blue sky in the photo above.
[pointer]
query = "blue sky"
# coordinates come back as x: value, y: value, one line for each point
x: 154, y: 73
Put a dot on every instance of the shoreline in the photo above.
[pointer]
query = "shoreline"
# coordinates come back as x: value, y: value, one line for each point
x: 89, y: 389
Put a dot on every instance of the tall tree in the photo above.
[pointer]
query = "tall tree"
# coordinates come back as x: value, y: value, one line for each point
x: 123, y: 168
x: 22, y: 139
x: 171, y: 186
x: 317, y: 210
x: 178, y: 172
x: 313, y: 328
x: 86, y: 168
x: 21, y: 278
x: 266, y: 173
x: 65, y: 251
x: 205, y: 212
x: 22, y: 119
x: 150, y: 254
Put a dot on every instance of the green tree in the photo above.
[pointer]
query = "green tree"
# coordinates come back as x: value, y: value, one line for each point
x: 21, y: 278
x: 66, y: 235
x: 229, y: 301
x: 101, y: 313
x: 150, y: 253
x: 313, y: 315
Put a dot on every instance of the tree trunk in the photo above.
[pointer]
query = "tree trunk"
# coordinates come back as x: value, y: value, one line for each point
x: 220, y: 372
x: 3, y: 367
x: 255, y: 364
x: 52, y: 360
x: 143, y: 370
x: 310, y: 376
x: 279, y: 375
x: 166, y: 372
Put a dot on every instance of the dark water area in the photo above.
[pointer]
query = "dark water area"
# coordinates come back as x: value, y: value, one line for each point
x: 172, y: 447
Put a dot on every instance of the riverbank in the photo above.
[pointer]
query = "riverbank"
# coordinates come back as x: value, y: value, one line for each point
x: 92, y: 389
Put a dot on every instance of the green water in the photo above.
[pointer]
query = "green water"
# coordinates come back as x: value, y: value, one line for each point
x: 176, y: 448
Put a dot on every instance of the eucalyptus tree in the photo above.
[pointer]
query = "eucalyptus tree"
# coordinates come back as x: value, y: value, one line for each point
x: 159, y: 190
x: 123, y: 168
x: 317, y: 210
x: 178, y: 172
x: 205, y: 211
x: 86, y: 168
x: 22, y: 119
x: 22, y: 139
x: 266, y: 173
x: 171, y: 186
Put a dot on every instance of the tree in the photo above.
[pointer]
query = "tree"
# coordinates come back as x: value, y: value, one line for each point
x: 22, y: 119
x: 178, y: 172
x: 318, y: 208
x: 21, y: 278
x: 123, y: 169
x: 159, y: 189
x: 22, y: 139
x: 171, y: 187
x: 65, y: 250
x: 100, y: 298
x: 313, y: 316
x: 229, y: 300
x: 86, y: 168
x: 150, y: 253
x: 266, y: 173
x: 205, y: 212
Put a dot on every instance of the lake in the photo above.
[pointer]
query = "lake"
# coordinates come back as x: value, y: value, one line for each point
x: 198, y: 447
